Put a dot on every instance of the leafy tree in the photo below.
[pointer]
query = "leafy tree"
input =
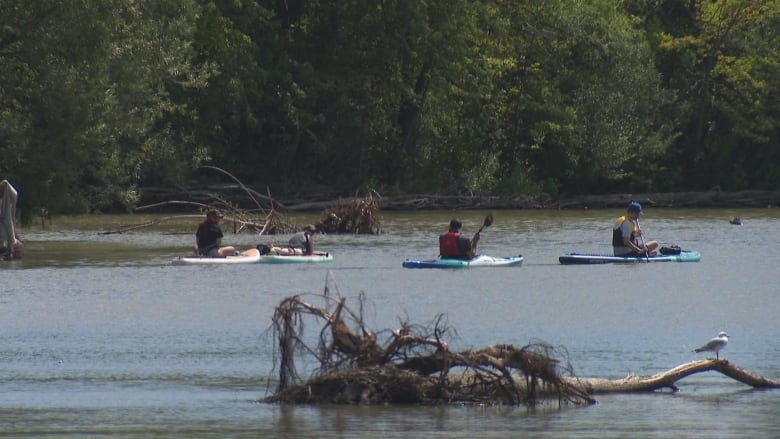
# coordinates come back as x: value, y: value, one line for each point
x: 334, y: 93
x: 236, y: 43
x: 84, y: 85
x: 494, y: 96
x: 581, y: 100
x: 721, y: 59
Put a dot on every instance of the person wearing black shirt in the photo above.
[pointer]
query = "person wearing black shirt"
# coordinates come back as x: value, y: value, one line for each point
x: 208, y: 238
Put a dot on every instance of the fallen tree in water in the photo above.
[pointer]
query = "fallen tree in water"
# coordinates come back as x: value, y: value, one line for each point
x: 356, y: 216
x: 413, y: 364
x: 669, y: 378
x: 410, y: 365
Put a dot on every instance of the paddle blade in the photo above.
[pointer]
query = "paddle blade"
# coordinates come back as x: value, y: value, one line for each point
x: 488, y: 220
x: 487, y: 223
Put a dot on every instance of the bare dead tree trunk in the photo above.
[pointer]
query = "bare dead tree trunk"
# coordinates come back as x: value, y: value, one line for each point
x: 668, y: 378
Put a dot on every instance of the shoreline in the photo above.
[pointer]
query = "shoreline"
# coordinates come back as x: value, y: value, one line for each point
x: 713, y: 198
x: 709, y: 199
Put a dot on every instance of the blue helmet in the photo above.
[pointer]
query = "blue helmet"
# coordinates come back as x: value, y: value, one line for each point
x: 635, y: 207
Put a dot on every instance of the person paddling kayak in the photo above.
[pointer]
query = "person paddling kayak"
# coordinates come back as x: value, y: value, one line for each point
x: 455, y: 245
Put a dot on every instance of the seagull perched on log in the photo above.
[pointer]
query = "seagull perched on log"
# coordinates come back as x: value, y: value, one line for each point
x: 715, y: 344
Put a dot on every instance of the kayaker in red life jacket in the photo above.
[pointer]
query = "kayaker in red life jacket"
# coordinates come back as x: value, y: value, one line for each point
x: 456, y: 246
x: 627, y: 236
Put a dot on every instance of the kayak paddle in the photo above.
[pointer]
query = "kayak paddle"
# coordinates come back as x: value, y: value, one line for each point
x: 641, y: 236
x: 488, y: 221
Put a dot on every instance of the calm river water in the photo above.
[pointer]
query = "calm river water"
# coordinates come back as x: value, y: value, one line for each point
x: 101, y: 336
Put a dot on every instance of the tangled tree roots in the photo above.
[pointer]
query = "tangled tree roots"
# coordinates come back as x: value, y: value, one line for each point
x: 360, y: 216
x: 408, y: 365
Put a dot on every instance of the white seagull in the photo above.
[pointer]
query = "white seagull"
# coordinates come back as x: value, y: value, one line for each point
x: 715, y: 344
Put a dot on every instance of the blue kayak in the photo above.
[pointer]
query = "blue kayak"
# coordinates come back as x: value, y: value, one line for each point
x: 477, y: 261
x: 586, y: 258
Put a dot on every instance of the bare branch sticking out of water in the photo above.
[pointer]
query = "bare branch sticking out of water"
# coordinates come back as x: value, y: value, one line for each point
x: 411, y: 365
x: 270, y: 222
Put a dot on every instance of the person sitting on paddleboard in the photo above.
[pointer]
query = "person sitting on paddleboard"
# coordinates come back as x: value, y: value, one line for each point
x: 208, y: 238
x: 456, y: 246
x: 302, y: 243
x: 627, y: 237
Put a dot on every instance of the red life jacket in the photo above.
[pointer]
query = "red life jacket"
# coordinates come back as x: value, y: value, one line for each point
x: 448, y: 245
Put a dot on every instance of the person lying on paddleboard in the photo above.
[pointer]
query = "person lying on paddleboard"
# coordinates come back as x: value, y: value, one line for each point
x: 627, y: 239
x: 302, y: 243
x: 455, y: 245
x: 208, y: 238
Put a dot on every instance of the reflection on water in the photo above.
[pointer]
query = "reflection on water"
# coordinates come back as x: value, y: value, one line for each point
x: 102, y: 336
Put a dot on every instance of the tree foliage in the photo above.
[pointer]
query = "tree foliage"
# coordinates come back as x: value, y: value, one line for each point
x: 84, y: 86
x: 722, y: 59
x: 101, y: 98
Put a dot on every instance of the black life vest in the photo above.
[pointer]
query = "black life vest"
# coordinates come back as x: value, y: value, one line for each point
x: 617, y: 234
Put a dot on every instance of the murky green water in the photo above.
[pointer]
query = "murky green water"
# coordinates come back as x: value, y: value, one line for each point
x: 101, y: 336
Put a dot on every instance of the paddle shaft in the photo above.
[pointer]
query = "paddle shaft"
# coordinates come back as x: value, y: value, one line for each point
x: 641, y: 236
x: 488, y: 221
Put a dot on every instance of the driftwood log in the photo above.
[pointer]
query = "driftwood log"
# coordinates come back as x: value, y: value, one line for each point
x: 414, y: 365
x: 669, y: 378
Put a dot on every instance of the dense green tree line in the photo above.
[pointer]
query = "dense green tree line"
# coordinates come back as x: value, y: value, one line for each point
x: 99, y: 98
